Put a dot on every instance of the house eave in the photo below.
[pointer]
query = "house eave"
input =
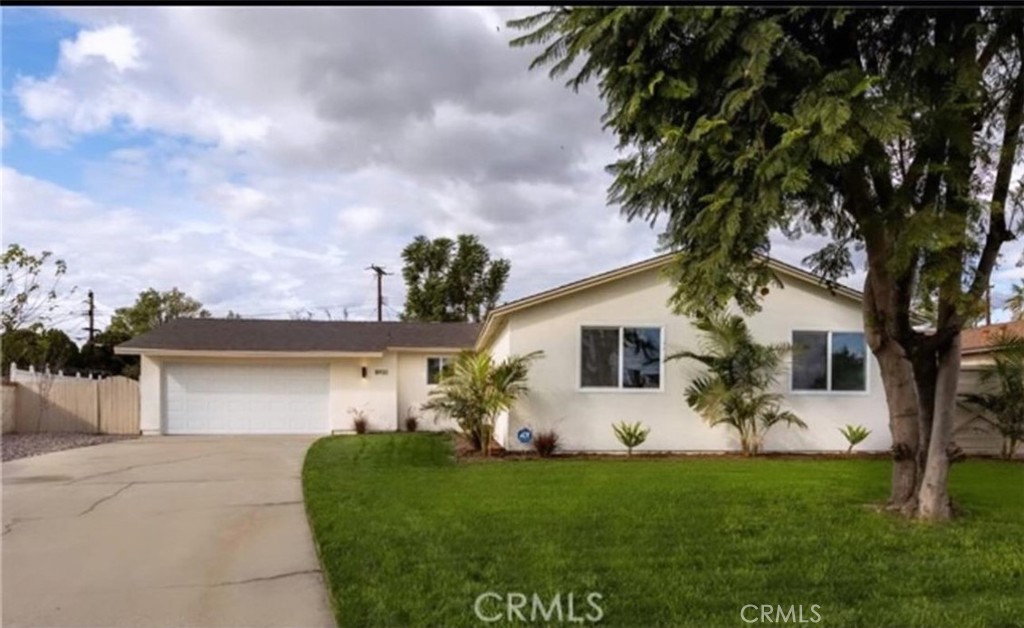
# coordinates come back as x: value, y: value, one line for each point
x: 428, y: 349
x: 215, y: 353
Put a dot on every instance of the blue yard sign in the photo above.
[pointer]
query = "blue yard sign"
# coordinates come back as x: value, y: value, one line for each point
x: 525, y: 435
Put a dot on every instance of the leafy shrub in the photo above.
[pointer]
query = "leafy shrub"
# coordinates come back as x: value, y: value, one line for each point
x: 411, y: 423
x: 631, y: 434
x: 546, y: 443
x: 854, y: 434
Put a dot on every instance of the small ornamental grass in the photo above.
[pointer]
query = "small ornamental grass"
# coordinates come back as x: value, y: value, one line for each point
x: 360, y: 421
x: 546, y: 443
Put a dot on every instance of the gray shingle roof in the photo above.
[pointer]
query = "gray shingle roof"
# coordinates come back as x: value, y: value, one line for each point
x: 215, y: 334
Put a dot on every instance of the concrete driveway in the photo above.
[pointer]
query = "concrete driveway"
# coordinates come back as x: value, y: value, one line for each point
x: 161, y: 531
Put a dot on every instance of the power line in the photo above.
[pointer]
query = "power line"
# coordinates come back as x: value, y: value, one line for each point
x: 286, y: 312
x: 395, y: 313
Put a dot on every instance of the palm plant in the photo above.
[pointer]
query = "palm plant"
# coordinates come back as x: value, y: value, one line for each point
x: 740, y: 371
x: 1015, y: 303
x: 854, y: 434
x: 475, y: 389
x: 630, y: 434
x: 1001, y: 404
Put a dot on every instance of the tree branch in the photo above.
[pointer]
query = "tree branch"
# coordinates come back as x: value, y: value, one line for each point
x: 996, y: 41
x: 997, y: 230
x: 881, y: 178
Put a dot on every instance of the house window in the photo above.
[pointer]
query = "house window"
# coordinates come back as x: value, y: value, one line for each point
x: 829, y: 361
x: 435, y: 366
x: 620, y: 357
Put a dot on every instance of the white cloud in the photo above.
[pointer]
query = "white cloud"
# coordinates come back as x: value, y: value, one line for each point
x: 356, y: 221
x: 119, y: 251
x: 101, y: 81
x: 116, y: 45
x: 241, y: 203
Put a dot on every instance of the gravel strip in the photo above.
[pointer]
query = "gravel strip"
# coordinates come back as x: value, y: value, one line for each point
x: 24, y: 445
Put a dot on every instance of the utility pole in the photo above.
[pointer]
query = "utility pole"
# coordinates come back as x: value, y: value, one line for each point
x: 380, y: 294
x: 92, y: 317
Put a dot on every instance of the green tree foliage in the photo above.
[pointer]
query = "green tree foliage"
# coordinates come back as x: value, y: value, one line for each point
x: 451, y: 280
x: 40, y: 349
x: 735, y: 389
x: 151, y: 309
x: 98, y: 356
x: 30, y: 288
x: 892, y: 130
x: 1001, y: 404
x: 475, y: 389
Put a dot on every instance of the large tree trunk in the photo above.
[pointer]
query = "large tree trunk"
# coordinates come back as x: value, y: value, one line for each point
x: 900, y: 395
x: 933, y: 496
x: 925, y: 373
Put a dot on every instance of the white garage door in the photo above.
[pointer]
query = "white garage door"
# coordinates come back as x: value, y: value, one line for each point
x: 245, y: 399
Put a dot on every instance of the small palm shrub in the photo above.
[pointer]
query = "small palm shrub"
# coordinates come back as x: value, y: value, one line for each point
x: 854, y: 434
x: 359, y: 420
x: 630, y: 434
x: 475, y: 389
x: 546, y: 443
x: 733, y: 391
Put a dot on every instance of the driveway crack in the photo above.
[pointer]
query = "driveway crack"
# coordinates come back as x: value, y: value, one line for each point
x: 139, y: 466
x: 231, y: 583
x: 105, y: 498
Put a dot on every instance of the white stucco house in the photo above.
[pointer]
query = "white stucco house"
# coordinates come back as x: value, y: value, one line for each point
x: 219, y: 376
x: 604, y: 340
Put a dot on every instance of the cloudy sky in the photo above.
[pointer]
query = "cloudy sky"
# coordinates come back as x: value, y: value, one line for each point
x: 260, y: 159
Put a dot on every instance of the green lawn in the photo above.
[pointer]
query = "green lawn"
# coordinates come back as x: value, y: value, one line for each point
x: 409, y: 537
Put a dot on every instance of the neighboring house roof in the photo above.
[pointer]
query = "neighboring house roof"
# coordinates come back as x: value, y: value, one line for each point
x: 979, y: 339
x: 495, y: 318
x: 315, y: 337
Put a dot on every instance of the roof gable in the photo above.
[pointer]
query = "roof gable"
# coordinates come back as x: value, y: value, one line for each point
x: 495, y: 317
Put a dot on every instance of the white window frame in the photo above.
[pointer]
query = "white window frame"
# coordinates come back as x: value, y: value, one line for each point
x: 619, y: 388
x: 444, y: 360
x: 828, y: 364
